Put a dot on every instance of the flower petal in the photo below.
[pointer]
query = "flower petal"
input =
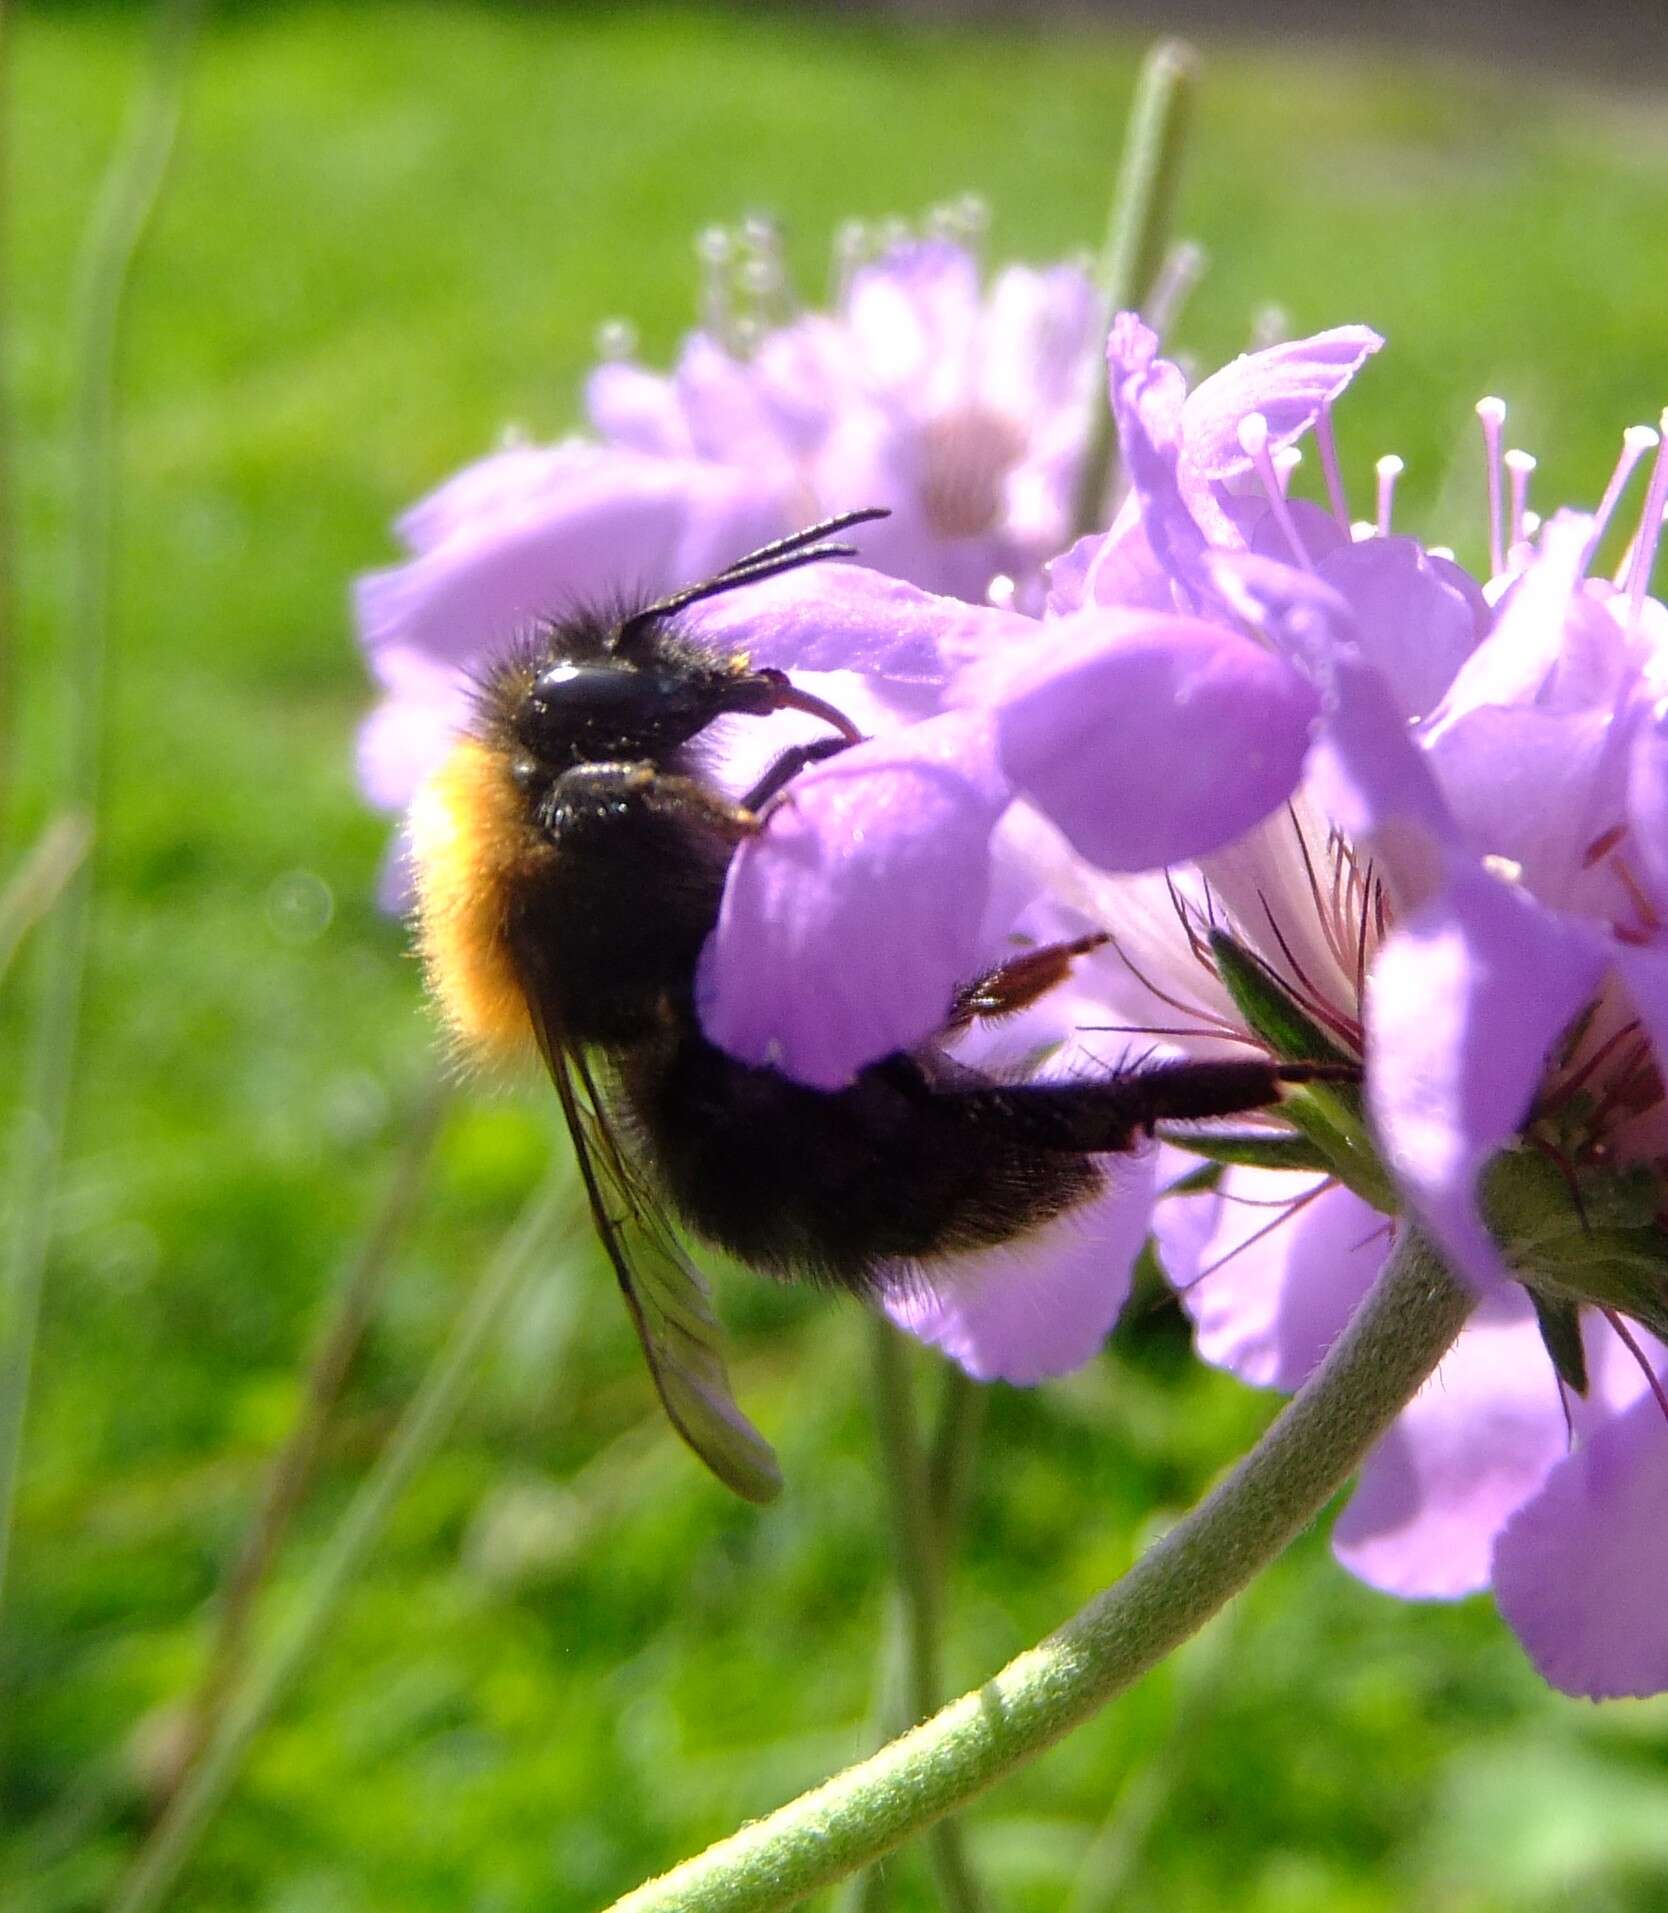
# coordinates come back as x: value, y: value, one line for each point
x: 848, y: 921
x: 843, y: 617
x: 637, y: 408
x: 1151, y: 738
x: 1463, y: 1003
x: 1043, y: 1304
x: 667, y: 521
x: 1647, y: 796
x: 1288, y: 384
x: 1147, y: 394
x: 1471, y: 1447
x: 1579, y: 1570
x: 1279, y: 1269
x: 1415, y: 626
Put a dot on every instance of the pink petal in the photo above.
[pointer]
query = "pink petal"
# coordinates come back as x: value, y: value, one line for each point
x: 843, y: 617
x: 850, y: 918
x: 1471, y: 1447
x: 1288, y: 384
x: 1281, y: 1269
x: 1152, y: 738
x: 1042, y: 1305
x: 664, y: 522
x: 1415, y: 625
x: 1647, y: 797
x: 1580, y: 1569
x: 1463, y: 1003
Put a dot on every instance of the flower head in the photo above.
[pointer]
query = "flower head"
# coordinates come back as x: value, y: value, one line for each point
x: 959, y: 404
x: 1479, y: 917
x: 1433, y: 833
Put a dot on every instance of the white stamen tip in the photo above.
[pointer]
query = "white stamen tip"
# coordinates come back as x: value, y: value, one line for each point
x: 1504, y: 869
x: 1253, y: 434
x: 715, y: 245
x: 1492, y: 411
x: 1361, y: 528
x: 1520, y: 462
x: 616, y: 339
x: 1287, y: 459
x: 1390, y: 466
x: 1440, y: 551
x: 1640, y: 438
x: 1000, y: 591
x: 1531, y: 523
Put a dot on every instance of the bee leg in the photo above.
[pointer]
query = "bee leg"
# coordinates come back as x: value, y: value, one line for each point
x: 592, y: 789
x: 1010, y: 987
x: 1096, y: 1118
x: 788, y: 766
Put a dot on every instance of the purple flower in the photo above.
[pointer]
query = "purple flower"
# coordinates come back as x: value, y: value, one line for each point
x: 959, y: 405
x: 1437, y: 823
x: 1500, y: 883
x: 1148, y: 731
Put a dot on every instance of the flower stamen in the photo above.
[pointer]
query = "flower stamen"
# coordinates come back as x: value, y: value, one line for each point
x: 1328, y: 444
x: 1652, y: 1381
x: 1650, y: 532
x: 1492, y: 414
x: 1519, y: 465
x: 1259, y: 1235
x: 1253, y: 441
x: 1389, y: 468
x: 1637, y: 440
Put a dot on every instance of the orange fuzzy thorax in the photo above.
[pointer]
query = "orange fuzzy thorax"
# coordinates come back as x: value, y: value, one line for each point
x: 471, y: 843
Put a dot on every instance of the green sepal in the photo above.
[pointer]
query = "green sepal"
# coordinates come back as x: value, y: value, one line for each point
x: 1269, y: 1008
x: 1252, y: 1149
x: 1580, y: 1237
x: 1328, y: 1114
x: 1560, y: 1323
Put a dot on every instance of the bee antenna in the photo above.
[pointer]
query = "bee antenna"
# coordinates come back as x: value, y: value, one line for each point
x: 769, y: 561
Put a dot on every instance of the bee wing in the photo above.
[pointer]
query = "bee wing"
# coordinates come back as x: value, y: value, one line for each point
x: 664, y: 1291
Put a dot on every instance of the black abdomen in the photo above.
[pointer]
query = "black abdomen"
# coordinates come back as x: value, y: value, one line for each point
x: 830, y: 1184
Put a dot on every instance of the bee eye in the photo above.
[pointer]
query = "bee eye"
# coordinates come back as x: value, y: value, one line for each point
x: 600, y: 693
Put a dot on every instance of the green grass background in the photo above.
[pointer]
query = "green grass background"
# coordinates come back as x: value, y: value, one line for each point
x: 392, y: 230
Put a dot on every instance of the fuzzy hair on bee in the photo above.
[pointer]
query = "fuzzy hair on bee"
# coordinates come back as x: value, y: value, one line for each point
x: 570, y: 858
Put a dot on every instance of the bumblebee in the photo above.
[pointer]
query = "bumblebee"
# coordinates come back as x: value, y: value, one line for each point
x: 570, y: 858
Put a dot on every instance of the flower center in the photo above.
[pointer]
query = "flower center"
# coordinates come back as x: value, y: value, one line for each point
x: 966, y: 456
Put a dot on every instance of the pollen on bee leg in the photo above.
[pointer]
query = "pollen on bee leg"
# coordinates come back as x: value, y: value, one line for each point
x: 469, y: 843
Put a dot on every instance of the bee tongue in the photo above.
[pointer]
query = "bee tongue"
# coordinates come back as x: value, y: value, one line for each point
x: 774, y: 691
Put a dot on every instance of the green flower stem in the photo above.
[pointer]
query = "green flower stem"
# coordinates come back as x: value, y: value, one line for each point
x: 8, y: 469
x: 955, y: 1442
x: 1396, y: 1338
x: 1136, y: 232
x: 421, y: 1429
x: 917, y: 1555
x: 39, y: 880
x: 127, y: 200
x: 358, y: 1288
x: 949, y: 1470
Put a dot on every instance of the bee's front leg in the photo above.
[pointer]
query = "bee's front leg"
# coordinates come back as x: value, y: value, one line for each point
x: 590, y: 793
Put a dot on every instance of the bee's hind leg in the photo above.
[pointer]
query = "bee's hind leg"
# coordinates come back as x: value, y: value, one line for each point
x: 1010, y: 987
x: 1116, y: 1113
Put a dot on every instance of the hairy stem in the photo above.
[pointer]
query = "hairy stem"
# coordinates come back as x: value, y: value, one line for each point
x: 918, y: 1558
x: 1142, y: 201
x: 1396, y: 1338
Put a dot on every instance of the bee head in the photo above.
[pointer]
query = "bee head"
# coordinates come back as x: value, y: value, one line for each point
x: 614, y: 707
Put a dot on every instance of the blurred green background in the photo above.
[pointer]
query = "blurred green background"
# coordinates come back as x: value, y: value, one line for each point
x: 391, y: 231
